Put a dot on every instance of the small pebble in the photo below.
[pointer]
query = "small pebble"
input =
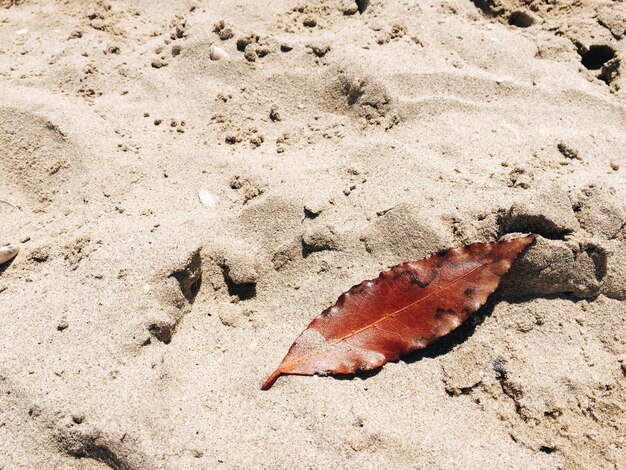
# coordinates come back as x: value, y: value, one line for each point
x: 250, y: 53
x: 223, y: 31
x: 275, y: 114
x: 320, y: 50
x: 568, y: 152
x: 217, y: 53
x: 207, y: 199
x: 158, y: 63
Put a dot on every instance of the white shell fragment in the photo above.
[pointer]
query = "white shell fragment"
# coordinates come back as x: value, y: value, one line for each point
x: 207, y: 199
x: 217, y: 53
x: 7, y: 253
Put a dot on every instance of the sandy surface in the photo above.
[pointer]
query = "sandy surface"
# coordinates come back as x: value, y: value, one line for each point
x: 181, y: 219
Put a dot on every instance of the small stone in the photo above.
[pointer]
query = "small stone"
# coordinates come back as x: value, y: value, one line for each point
x: 162, y: 329
x: 256, y: 141
x: 217, y: 53
x: 232, y: 139
x: 568, y: 152
x: 262, y: 51
x: 98, y: 24
x: 245, y: 41
x: 207, y: 199
x: 223, y: 31
x: 310, y: 22
x: 63, y: 325
x: 158, y: 63
x: 320, y: 50
x: 274, y: 114
x: 250, y: 53
x: 180, y: 31
x: 226, y: 34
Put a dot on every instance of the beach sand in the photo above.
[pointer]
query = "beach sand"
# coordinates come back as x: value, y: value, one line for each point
x: 190, y: 183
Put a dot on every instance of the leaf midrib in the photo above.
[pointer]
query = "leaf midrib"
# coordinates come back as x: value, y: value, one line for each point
x: 389, y: 315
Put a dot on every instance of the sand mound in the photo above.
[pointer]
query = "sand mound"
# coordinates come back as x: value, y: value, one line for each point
x: 38, y: 159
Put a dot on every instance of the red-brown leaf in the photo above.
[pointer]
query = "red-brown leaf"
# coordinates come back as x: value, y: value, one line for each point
x: 405, y: 308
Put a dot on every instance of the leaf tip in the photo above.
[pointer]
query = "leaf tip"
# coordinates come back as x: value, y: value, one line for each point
x: 272, y: 378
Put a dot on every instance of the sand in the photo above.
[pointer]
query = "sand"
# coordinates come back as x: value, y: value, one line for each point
x: 190, y: 183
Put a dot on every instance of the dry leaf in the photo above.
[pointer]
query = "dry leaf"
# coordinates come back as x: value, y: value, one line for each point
x: 404, y: 309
